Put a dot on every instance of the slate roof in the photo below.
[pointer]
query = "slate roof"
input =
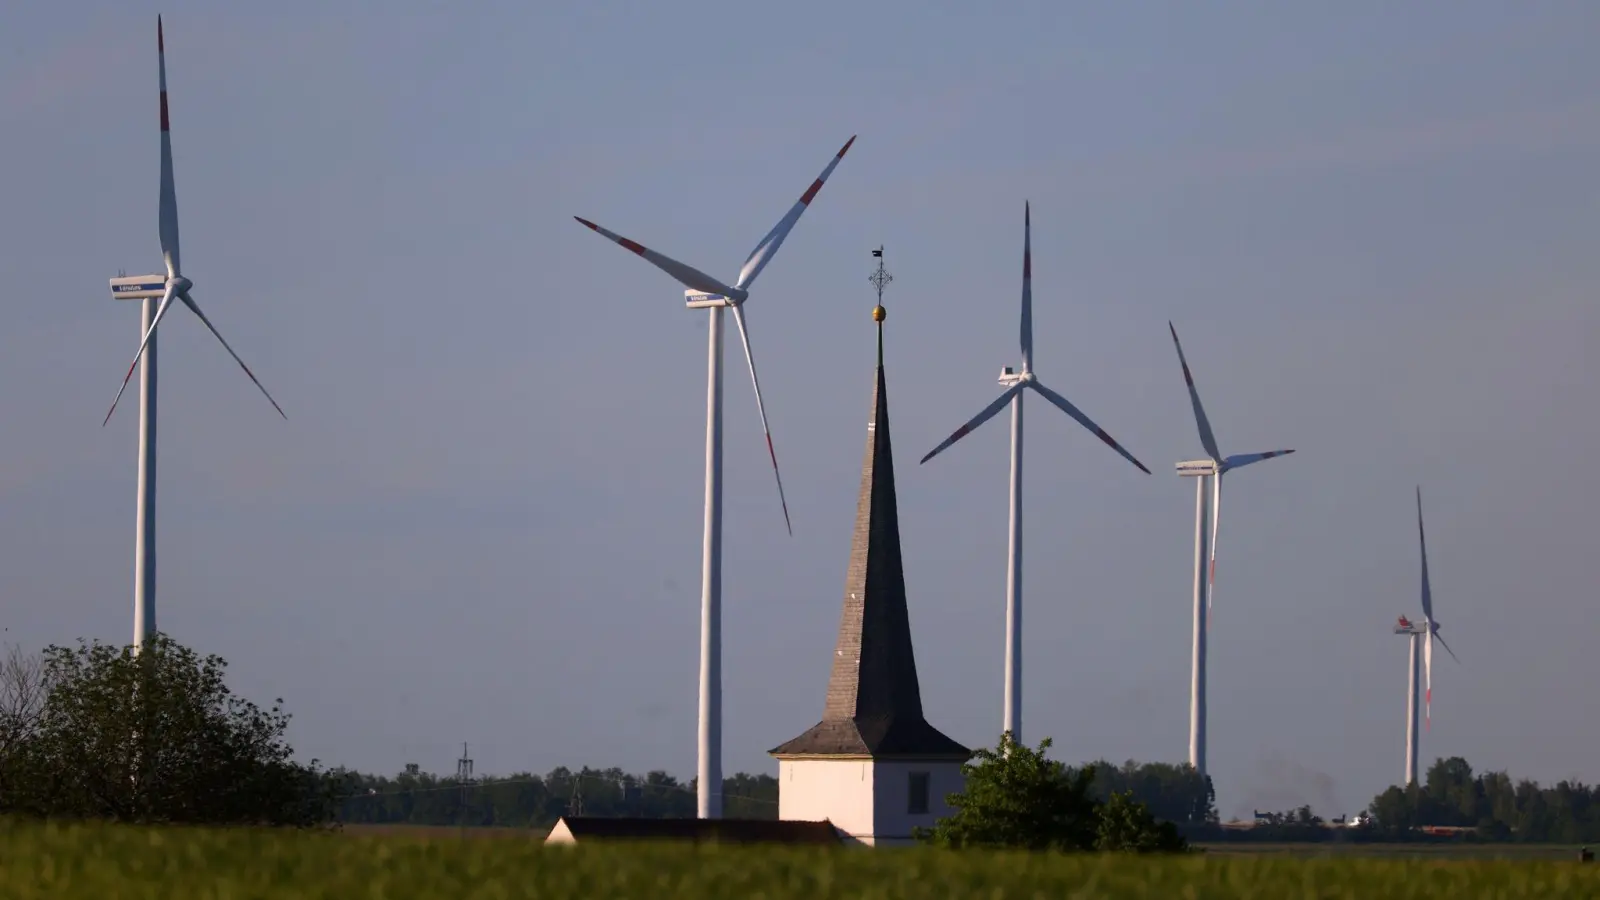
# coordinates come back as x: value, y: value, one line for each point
x: 724, y: 831
x: 874, y: 703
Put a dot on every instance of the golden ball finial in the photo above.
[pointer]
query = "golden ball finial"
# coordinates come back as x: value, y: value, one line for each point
x: 878, y: 313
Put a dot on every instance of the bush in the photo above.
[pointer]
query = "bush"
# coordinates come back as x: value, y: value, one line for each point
x: 157, y: 736
x: 1016, y: 797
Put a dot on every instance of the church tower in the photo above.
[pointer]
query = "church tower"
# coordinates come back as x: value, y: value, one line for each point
x: 873, y: 766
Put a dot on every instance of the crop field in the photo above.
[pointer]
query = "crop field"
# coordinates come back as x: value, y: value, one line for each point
x: 99, y: 861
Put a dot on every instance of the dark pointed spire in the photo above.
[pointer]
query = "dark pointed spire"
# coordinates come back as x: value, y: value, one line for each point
x: 874, y: 703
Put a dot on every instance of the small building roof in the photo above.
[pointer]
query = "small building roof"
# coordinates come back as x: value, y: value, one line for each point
x: 577, y: 829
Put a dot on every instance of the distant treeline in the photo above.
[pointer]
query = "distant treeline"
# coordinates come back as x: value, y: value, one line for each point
x: 525, y: 800
x: 1492, y: 804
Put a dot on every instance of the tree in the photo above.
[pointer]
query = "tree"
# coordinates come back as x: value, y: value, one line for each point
x: 1017, y: 797
x: 1174, y: 792
x: 22, y: 695
x: 1126, y: 825
x: 157, y: 736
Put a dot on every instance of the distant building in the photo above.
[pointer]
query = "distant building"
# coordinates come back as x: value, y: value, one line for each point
x: 590, y: 829
x: 873, y: 766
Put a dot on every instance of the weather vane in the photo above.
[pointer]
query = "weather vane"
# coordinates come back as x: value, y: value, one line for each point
x: 879, y: 279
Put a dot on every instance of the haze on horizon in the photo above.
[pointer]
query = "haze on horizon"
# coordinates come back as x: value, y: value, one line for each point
x: 1372, y: 225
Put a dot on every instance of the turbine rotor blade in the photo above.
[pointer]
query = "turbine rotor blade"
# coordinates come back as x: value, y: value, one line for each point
x: 1075, y: 413
x: 744, y: 336
x: 1427, y: 664
x: 1240, y: 460
x: 161, y: 311
x: 169, y: 193
x: 1447, y: 649
x: 1216, y: 519
x: 194, y: 308
x: 984, y: 416
x: 1027, y: 288
x: 1207, y: 439
x: 1422, y: 540
x: 686, y: 275
x: 763, y: 253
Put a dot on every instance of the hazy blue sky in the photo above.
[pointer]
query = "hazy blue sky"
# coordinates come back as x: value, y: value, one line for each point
x: 1372, y: 223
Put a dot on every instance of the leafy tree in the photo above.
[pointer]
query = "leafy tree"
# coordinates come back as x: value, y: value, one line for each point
x: 1174, y: 793
x: 1017, y: 797
x: 1491, y: 804
x: 157, y: 736
x: 1126, y: 825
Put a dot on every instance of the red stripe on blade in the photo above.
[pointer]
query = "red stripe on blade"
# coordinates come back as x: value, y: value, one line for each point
x: 811, y: 192
x: 165, y: 126
x: 637, y: 248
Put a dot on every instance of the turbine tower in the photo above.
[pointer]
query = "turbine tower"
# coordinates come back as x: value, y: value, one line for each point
x: 157, y: 293
x: 706, y: 292
x: 1015, y: 383
x: 1421, y: 636
x: 1203, y: 471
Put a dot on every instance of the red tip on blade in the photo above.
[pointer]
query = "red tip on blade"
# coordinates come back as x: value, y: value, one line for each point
x: 161, y: 40
x: 592, y: 226
x: 1027, y: 213
x: 846, y: 147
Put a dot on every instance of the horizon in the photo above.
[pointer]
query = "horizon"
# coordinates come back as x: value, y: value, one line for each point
x: 1368, y: 225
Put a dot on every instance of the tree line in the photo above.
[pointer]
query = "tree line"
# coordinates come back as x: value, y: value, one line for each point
x: 1493, y: 805
x: 100, y: 731
x: 525, y: 800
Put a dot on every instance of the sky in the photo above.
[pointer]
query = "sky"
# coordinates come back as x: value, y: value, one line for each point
x: 1372, y: 224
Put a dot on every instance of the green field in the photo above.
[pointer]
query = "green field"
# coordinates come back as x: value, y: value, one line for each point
x: 71, y: 862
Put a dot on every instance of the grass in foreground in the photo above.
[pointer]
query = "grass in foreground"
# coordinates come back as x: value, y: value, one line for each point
x: 99, y: 861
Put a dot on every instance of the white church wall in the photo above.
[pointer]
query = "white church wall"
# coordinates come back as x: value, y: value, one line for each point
x: 891, y: 799
x: 839, y: 790
x: 868, y: 800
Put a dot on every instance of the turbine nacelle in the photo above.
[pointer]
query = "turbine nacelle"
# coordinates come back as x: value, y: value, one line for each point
x: 1405, y: 626
x: 1010, y: 376
x: 706, y: 300
x: 138, y: 287
x: 1198, y: 468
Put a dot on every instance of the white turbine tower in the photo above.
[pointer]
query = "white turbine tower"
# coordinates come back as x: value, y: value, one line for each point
x: 157, y: 294
x: 706, y: 292
x: 1423, y: 633
x: 1015, y: 383
x: 1205, y: 575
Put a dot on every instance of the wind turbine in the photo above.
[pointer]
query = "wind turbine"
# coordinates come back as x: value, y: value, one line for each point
x: 1423, y: 633
x: 151, y: 289
x: 1205, y: 575
x: 1015, y: 383
x: 706, y: 292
